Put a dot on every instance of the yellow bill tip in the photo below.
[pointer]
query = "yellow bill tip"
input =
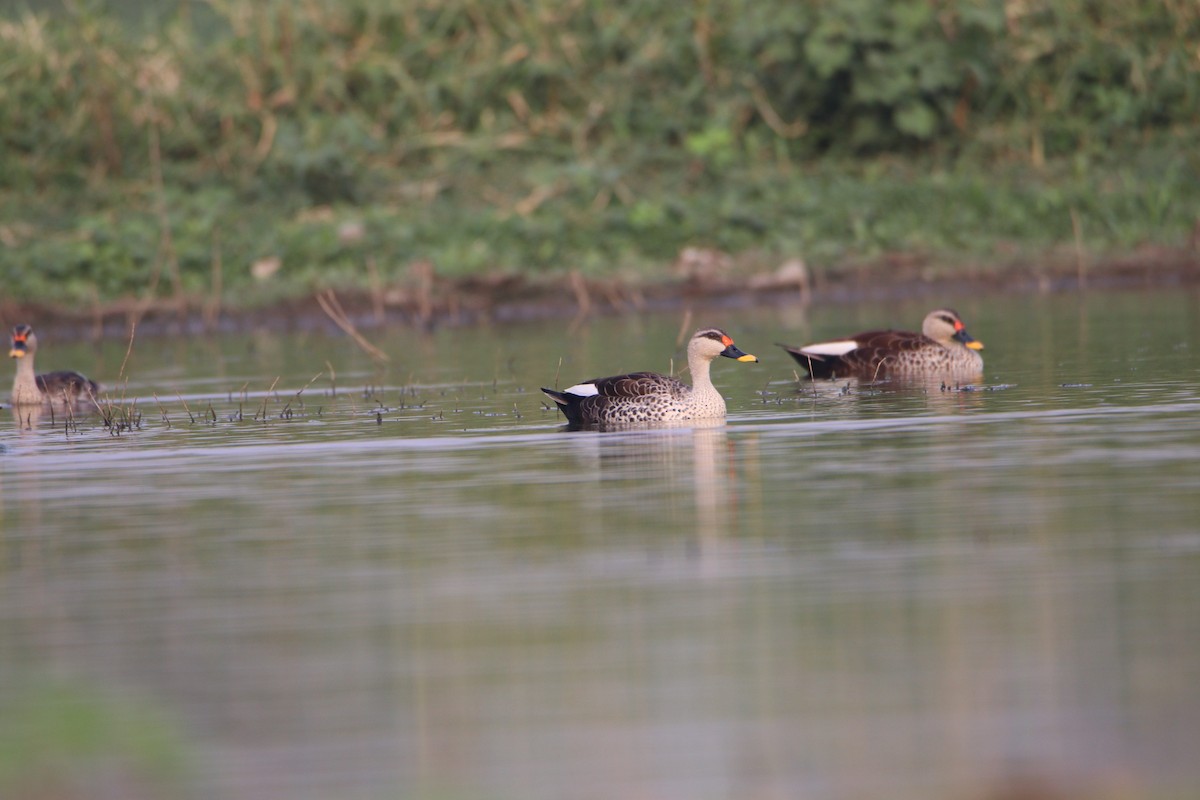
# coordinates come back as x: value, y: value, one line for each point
x: 747, y: 357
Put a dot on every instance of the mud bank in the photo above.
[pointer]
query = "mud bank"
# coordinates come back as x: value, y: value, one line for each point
x: 426, y: 300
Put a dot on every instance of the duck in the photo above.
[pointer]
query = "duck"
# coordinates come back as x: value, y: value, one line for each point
x: 943, y: 349
x: 648, y: 397
x: 63, y: 387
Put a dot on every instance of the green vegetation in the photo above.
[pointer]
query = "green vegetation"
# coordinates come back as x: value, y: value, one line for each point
x: 351, y: 139
x: 64, y: 739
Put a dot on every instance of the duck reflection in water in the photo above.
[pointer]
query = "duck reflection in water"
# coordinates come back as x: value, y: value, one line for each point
x: 689, y: 475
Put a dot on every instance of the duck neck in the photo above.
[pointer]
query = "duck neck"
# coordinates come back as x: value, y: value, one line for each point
x: 25, y: 388
x: 701, y: 379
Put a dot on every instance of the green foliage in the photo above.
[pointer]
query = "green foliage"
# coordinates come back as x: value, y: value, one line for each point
x: 1046, y: 72
x: 311, y: 96
x: 861, y: 74
x: 714, y: 144
x: 552, y: 135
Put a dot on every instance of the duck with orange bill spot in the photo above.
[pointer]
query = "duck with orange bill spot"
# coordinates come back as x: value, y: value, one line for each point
x: 943, y: 349
x: 63, y: 387
x: 647, y: 397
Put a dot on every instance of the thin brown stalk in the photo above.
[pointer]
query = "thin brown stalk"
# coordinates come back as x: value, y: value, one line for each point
x: 1080, y: 263
x: 812, y: 381
x: 212, y: 310
x: 161, y: 410
x: 97, y: 314
x: 333, y: 309
x: 187, y: 410
x: 376, y: 290
x: 297, y: 396
x: 878, y: 367
x: 684, y: 327
x: 310, y: 383
x: 583, y: 297
x: 166, y: 241
x: 128, y: 350
x: 762, y: 104
x: 267, y: 397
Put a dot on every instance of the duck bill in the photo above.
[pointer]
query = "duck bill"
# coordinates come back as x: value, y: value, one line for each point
x: 961, y: 335
x: 732, y: 352
x: 18, y: 351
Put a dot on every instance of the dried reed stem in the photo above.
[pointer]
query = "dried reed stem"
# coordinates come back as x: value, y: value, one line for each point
x: 376, y: 291
x: 684, y: 327
x: 212, y: 309
x: 128, y: 350
x: 333, y: 309
x: 267, y: 397
x: 1080, y: 265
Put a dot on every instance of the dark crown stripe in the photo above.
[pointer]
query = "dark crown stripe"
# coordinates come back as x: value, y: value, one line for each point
x: 715, y: 334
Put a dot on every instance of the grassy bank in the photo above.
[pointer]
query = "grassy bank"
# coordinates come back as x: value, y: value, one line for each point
x: 244, y: 153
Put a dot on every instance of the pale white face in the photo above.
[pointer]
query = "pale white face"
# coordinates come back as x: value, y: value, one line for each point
x: 708, y: 343
x: 940, y: 325
x: 945, y: 327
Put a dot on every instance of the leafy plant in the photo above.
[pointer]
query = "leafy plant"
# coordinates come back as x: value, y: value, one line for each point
x: 545, y: 135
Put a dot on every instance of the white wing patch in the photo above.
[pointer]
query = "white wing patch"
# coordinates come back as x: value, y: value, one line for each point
x: 583, y: 390
x: 839, y: 348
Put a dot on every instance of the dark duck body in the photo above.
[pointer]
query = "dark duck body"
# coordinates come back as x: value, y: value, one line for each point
x: 62, y: 387
x: 943, y: 349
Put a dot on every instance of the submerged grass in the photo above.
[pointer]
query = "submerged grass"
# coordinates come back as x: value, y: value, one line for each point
x: 240, y: 154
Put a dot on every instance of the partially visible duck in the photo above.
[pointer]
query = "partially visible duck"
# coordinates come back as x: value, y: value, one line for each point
x: 63, y: 387
x: 649, y: 397
x: 943, y: 349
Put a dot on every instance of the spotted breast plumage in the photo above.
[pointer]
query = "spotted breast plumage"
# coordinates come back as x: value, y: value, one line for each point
x: 648, y: 397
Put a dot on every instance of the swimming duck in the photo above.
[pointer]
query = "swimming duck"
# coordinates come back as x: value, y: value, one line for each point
x: 650, y: 397
x: 64, y: 387
x: 943, y: 349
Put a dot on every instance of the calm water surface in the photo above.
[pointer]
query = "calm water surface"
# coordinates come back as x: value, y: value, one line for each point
x: 411, y: 582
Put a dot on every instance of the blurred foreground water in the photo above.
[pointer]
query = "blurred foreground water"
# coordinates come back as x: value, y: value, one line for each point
x: 411, y: 582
